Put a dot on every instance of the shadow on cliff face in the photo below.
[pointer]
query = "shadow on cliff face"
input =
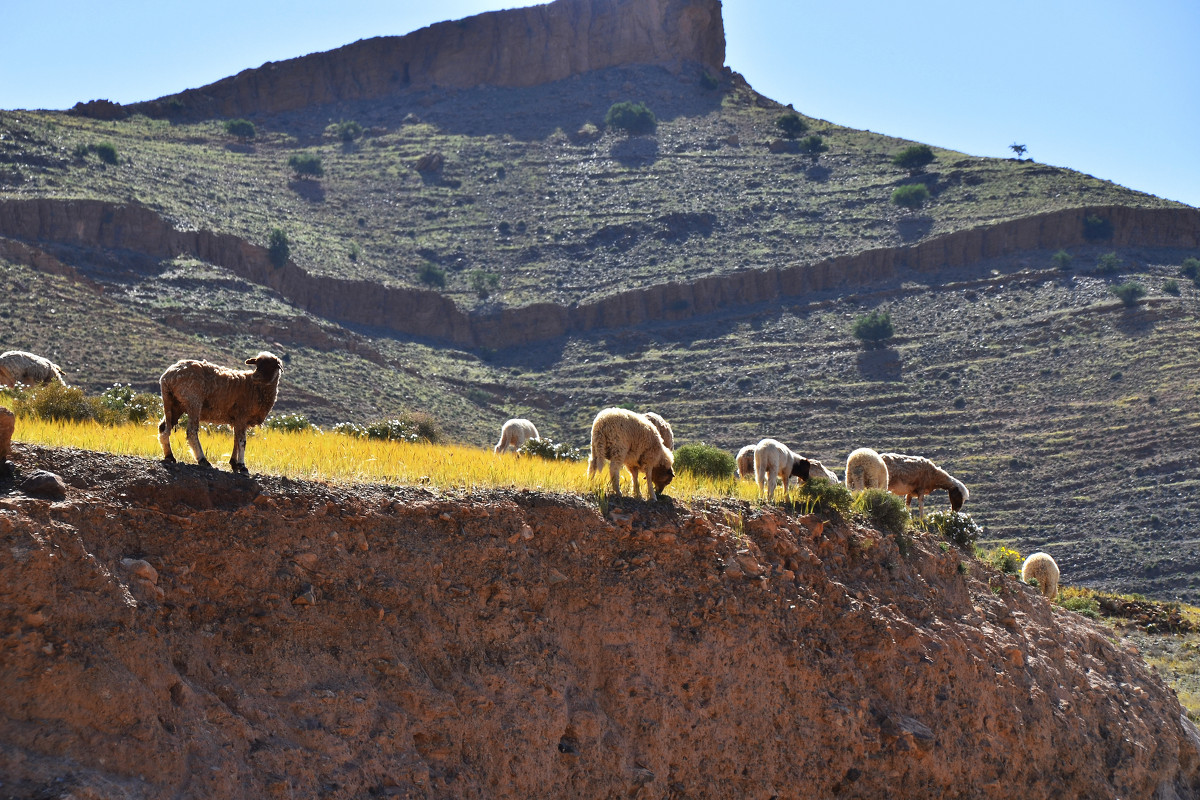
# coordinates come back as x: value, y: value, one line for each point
x: 880, y: 365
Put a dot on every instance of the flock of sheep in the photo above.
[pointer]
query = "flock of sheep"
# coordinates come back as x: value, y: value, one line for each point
x: 642, y: 443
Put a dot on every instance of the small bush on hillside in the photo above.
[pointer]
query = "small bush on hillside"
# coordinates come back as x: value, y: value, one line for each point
x: 885, y: 509
x: 875, y: 328
x: 107, y: 152
x: 354, y: 252
x: 279, y: 250
x: 1096, y: 228
x: 483, y: 283
x: 1061, y: 260
x: 1108, y: 264
x: 955, y: 526
x: 1171, y: 286
x: 823, y: 496
x: 432, y: 274
x: 911, y: 196
x: 791, y: 125
x: 81, y: 151
x: 631, y: 117
x: 350, y: 429
x: 1002, y: 558
x: 292, y: 423
x: 705, y: 460
x: 914, y: 158
x: 813, y: 146
x: 1191, y: 269
x: 348, y: 130
x: 709, y: 81
x: 410, y: 427
x: 1081, y: 601
x: 241, y: 128
x: 1129, y: 293
x: 307, y: 165
x: 551, y: 450
x: 56, y: 402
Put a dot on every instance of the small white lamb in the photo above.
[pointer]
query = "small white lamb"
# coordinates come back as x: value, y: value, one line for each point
x: 515, y: 433
x: 1042, y: 567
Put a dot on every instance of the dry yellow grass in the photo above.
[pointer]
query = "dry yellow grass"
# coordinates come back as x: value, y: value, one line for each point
x: 338, y: 458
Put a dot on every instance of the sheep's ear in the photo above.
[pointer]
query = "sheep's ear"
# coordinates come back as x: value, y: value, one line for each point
x: 252, y: 360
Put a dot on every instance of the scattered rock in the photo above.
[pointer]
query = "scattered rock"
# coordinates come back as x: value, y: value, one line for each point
x: 45, y: 485
x: 140, y: 569
x: 307, y: 596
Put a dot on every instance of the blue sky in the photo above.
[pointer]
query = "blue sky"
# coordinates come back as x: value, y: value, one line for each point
x: 1110, y: 88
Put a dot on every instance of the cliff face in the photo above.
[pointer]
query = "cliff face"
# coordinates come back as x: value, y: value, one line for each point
x: 519, y: 47
x: 189, y: 633
x: 426, y: 313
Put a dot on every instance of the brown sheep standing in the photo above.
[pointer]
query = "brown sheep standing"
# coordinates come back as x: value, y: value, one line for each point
x: 624, y: 437
x: 210, y: 393
x: 917, y: 476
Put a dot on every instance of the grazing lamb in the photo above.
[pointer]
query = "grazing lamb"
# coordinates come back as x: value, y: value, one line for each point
x: 1042, y: 567
x: 664, y: 429
x: 774, y: 462
x: 209, y: 393
x: 865, y: 470
x: 515, y: 433
x: 915, y: 476
x: 627, y: 438
x: 745, y: 461
x: 17, y: 366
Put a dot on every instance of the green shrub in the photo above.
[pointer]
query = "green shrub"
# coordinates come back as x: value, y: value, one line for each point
x: 350, y: 429
x: 791, y: 125
x: 955, y: 526
x: 631, y: 117
x: 1191, y: 269
x: 1081, y: 601
x: 1129, y: 293
x: 432, y: 274
x: 279, y: 250
x: 822, y: 496
x: 885, y: 509
x: 348, y: 130
x: 1061, y: 260
x: 307, y: 165
x: 292, y: 423
x: 120, y: 403
x: 1171, y: 287
x: 81, y: 151
x: 709, y: 81
x: 1108, y: 264
x: 410, y: 427
x: 914, y: 158
x: 874, y: 328
x: 1003, y: 558
x: 551, y: 450
x: 705, y: 460
x: 107, y: 152
x: 813, y: 146
x: 355, y: 252
x: 1096, y: 228
x: 241, y: 128
x: 57, y: 403
x: 911, y: 196
x: 483, y: 283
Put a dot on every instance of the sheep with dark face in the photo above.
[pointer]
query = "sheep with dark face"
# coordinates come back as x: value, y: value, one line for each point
x: 211, y: 393
x: 17, y: 366
x: 624, y: 437
x: 515, y: 433
x: 916, y: 476
x: 774, y: 462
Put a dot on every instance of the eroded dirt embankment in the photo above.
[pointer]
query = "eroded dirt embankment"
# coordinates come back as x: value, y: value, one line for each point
x: 185, y: 633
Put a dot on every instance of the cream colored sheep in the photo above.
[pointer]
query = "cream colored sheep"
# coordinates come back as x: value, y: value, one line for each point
x: 515, y: 433
x: 664, y: 429
x: 916, y: 476
x: 210, y: 393
x: 865, y: 470
x: 17, y: 366
x: 1042, y: 567
x: 624, y: 437
x: 745, y: 461
x: 774, y: 461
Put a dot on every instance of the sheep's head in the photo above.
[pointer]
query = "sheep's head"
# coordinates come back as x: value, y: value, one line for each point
x: 801, y: 468
x: 819, y: 470
x: 660, y: 476
x: 267, y: 366
x: 958, y: 495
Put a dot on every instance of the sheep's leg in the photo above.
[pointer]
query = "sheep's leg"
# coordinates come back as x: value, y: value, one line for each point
x: 193, y: 439
x: 165, y: 426
x: 237, y: 459
x: 614, y: 472
x: 637, y: 490
x: 759, y: 479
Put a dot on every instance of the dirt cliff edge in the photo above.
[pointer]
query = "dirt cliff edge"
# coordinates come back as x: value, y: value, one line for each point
x: 188, y: 633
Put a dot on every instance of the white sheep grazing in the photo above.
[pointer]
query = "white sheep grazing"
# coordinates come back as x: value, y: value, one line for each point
x: 515, y: 433
x: 210, y: 393
x: 745, y: 461
x: 664, y: 429
x: 1042, y: 567
x: 627, y: 438
x: 17, y: 366
x: 865, y: 470
x: 916, y: 476
x: 774, y: 462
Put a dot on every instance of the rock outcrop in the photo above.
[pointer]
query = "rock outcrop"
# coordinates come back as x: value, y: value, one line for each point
x: 426, y: 313
x: 513, y: 48
x: 197, y: 635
